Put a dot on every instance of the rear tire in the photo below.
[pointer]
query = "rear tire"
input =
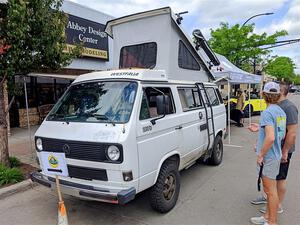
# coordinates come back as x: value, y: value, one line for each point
x: 217, y: 152
x: 164, y: 194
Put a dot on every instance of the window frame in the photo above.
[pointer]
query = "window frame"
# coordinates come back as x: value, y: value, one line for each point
x: 144, y: 43
x: 194, y: 58
x: 200, y: 99
x: 95, y: 81
x: 157, y: 87
x: 217, y: 97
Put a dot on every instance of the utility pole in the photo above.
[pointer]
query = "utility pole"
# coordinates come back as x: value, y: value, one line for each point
x: 261, y: 14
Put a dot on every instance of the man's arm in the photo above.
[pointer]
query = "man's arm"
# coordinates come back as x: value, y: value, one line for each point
x: 289, y: 141
x: 268, y: 142
x: 291, y: 132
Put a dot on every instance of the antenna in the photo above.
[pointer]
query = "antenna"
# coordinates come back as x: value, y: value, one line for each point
x: 179, y: 17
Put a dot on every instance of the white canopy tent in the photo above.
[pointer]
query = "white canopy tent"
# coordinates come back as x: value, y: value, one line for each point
x: 229, y: 74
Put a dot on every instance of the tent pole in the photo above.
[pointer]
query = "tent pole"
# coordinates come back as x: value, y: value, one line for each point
x: 261, y: 88
x: 27, y: 114
x: 249, y: 90
x: 228, y: 106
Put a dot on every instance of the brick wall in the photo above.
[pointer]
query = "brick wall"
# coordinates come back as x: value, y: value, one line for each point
x: 34, y: 117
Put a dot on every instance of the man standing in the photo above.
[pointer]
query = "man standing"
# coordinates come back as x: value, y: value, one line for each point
x: 239, y: 107
x: 288, y: 147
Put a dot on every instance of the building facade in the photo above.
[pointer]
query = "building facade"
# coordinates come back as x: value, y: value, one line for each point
x: 44, y: 88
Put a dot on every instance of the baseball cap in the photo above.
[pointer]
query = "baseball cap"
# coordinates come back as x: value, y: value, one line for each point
x: 271, y: 88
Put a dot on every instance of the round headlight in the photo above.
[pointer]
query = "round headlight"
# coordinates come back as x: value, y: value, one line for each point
x: 113, y: 153
x: 39, y: 144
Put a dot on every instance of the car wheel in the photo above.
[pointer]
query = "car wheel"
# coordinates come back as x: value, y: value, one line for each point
x: 164, y: 194
x: 217, y: 152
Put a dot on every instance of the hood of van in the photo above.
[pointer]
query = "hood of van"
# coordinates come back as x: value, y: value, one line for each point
x: 90, y: 132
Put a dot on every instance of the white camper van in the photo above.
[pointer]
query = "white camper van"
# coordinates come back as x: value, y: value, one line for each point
x: 116, y: 133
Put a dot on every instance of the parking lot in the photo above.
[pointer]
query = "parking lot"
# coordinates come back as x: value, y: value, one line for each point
x: 209, y: 195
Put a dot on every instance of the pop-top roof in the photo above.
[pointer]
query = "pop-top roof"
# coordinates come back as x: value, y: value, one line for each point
x: 140, y: 15
x: 166, y: 29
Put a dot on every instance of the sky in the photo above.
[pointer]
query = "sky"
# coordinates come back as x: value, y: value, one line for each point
x: 207, y: 14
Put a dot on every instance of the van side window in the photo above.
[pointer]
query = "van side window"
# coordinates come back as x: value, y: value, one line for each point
x: 141, y: 56
x: 144, y: 113
x: 151, y: 98
x: 213, y: 99
x: 219, y: 95
x: 189, y: 98
x: 186, y: 60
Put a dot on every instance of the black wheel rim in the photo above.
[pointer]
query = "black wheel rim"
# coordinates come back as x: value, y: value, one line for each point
x: 218, y: 151
x: 169, y: 187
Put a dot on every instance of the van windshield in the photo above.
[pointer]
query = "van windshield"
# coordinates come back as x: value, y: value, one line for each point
x: 109, y: 102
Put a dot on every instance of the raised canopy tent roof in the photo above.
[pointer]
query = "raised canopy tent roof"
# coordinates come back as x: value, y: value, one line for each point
x: 228, y: 72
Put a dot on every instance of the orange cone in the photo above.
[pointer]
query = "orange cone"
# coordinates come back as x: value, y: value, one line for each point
x: 62, y: 212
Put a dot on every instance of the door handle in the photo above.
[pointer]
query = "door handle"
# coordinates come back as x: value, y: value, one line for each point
x: 178, y: 128
x: 200, y: 115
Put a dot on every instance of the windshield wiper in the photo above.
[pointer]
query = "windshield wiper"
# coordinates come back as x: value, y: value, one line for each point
x: 59, y: 116
x: 103, y: 117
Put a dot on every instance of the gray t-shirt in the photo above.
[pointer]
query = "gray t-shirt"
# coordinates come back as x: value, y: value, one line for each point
x: 291, y: 112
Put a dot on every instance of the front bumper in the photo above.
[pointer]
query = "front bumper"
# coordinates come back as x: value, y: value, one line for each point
x: 86, y: 191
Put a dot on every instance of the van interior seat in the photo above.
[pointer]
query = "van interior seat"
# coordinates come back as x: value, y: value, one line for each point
x: 153, y: 112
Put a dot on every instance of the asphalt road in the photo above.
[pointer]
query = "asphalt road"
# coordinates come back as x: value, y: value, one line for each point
x: 209, y: 196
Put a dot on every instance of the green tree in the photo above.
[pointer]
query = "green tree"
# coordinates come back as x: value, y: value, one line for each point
x: 239, y: 44
x: 296, y: 79
x: 34, y: 32
x: 281, y: 68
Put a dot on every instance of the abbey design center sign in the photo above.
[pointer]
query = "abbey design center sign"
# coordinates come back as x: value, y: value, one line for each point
x: 88, y: 33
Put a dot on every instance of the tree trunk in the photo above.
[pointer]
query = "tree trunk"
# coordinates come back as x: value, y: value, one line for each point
x: 4, y: 156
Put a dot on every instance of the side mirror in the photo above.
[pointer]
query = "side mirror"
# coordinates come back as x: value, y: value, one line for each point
x: 164, y: 104
x: 164, y: 107
x: 160, y: 104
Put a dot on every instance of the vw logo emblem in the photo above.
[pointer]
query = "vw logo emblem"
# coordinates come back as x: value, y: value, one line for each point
x: 66, y: 149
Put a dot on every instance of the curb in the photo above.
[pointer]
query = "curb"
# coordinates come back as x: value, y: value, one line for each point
x: 16, y: 188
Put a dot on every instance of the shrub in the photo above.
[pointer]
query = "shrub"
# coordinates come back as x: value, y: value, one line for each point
x: 14, y: 162
x: 2, y: 168
x: 10, y: 175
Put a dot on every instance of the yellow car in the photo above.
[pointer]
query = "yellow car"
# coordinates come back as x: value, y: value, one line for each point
x: 256, y: 105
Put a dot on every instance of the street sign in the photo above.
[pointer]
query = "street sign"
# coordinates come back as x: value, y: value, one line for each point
x: 54, y: 163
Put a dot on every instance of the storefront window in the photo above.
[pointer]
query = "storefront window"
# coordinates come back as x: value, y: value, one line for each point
x: 40, y: 90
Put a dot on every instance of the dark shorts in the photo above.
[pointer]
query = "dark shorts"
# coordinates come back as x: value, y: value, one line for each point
x: 284, y: 168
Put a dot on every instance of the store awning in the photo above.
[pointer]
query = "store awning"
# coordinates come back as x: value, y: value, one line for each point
x: 52, y: 75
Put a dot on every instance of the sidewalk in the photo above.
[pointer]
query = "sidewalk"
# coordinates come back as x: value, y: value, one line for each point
x: 18, y: 144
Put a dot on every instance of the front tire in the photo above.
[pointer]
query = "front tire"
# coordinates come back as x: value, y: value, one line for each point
x: 217, y: 152
x: 164, y: 194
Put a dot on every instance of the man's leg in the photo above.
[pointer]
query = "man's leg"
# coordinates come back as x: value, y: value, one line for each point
x: 281, y: 190
x: 272, y: 200
x: 239, y: 118
x: 281, y: 179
